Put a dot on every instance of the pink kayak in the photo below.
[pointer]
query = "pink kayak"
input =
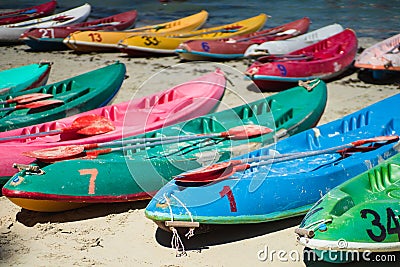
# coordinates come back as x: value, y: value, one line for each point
x: 234, y: 47
x: 182, y: 102
x: 384, y: 55
x: 326, y: 59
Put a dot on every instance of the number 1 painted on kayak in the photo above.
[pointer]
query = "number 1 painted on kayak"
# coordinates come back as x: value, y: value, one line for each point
x: 226, y: 191
x: 93, y: 175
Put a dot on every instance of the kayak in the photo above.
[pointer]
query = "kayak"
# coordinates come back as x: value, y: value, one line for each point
x: 71, y: 96
x: 51, y: 38
x: 181, y: 102
x: 107, y: 41
x: 145, y: 44
x: 360, y: 215
x: 234, y: 47
x: 10, y: 33
x: 381, y: 59
x: 21, y: 78
x: 140, y: 169
x: 326, y: 60
x: 284, y: 179
x: 28, y: 13
x: 281, y: 47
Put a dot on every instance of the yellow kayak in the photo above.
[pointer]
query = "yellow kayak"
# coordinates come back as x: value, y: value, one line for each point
x: 107, y: 41
x: 146, y: 44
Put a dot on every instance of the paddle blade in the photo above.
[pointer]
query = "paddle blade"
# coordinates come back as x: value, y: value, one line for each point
x: 23, y: 99
x: 205, y: 175
x: 386, y: 138
x: 247, y: 131
x: 213, y: 173
x: 91, y: 124
x: 54, y: 153
x: 42, y: 104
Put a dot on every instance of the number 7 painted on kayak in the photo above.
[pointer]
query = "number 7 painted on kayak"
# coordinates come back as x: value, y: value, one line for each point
x: 93, y: 174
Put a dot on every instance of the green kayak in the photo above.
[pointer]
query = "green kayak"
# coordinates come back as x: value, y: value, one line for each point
x: 72, y: 96
x: 18, y: 79
x: 137, y: 173
x: 357, y: 217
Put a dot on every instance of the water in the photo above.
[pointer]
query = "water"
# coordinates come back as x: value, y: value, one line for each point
x: 372, y: 19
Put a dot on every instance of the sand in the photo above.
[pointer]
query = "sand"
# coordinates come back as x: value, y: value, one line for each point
x: 119, y: 234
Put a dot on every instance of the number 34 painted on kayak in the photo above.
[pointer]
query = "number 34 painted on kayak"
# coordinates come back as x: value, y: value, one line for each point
x: 378, y: 231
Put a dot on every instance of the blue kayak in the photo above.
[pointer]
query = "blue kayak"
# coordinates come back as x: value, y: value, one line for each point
x: 263, y: 191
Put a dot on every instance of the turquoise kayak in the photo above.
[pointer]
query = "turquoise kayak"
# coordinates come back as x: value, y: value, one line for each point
x: 18, y: 79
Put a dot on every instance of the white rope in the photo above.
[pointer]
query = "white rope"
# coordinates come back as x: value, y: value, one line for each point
x: 169, y: 206
x: 306, y: 84
x: 183, y: 205
x: 190, y: 233
x: 176, y: 242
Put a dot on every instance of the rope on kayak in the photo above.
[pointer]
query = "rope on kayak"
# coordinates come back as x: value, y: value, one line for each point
x: 176, y: 242
x: 306, y: 84
x: 190, y: 233
x: 30, y: 169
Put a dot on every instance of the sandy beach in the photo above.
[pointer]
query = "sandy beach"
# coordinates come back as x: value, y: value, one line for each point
x: 120, y: 234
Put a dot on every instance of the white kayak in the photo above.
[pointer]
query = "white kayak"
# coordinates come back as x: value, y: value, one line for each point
x: 292, y: 44
x: 10, y: 33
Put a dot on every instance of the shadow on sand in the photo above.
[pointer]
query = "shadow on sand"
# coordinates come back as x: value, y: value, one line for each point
x: 31, y: 218
x: 222, y: 234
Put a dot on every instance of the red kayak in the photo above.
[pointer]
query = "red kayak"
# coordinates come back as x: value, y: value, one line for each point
x: 28, y: 13
x: 232, y: 48
x: 179, y: 103
x: 51, y: 39
x: 325, y: 60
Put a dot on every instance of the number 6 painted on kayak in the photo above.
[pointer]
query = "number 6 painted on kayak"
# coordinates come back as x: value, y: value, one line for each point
x: 93, y: 175
x: 205, y: 46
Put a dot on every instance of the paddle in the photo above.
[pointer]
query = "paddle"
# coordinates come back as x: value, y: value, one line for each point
x: 63, y: 18
x: 16, y: 14
x: 23, y: 99
x: 279, y: 58
x: 271, y: 33
x: 391, y: 51
x: 225, y: 169
x: 223, y: 30
x: 36, y: 105
x: 86, y: 125
x: 145, y: 28
x: 56, y: 19
x: 67, y: 152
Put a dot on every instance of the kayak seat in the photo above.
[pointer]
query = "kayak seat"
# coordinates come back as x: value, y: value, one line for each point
x: 285, y: 117
x: 383, y: 177
x: 328, y: 53
x: 112, y: 113
x: 312, y: 140
x: 354, y: 123
x: 209, y: 125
